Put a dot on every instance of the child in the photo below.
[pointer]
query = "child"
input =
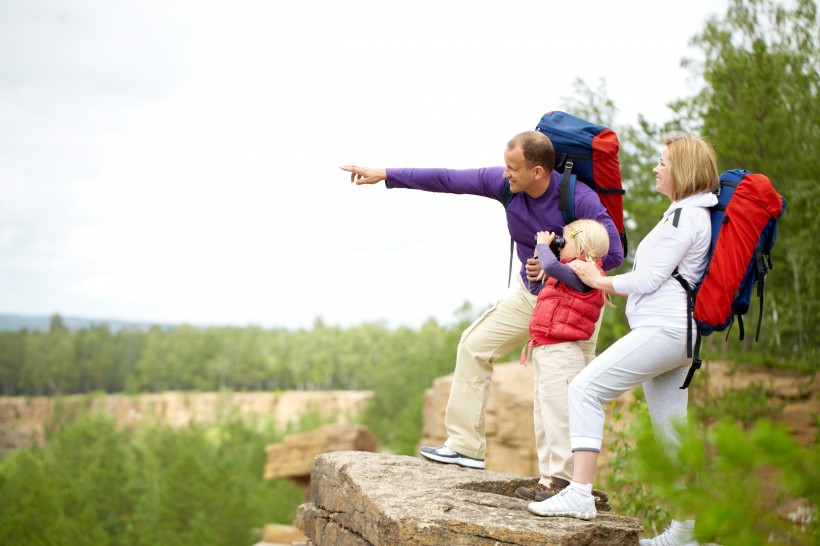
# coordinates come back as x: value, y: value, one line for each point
x: 566, y: 312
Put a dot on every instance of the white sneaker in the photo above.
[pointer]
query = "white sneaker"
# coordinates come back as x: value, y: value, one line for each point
x: 565, y: 503
x: 670, y: 538
x: 444, y: 454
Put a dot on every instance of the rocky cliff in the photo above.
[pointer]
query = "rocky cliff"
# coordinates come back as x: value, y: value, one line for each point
x: 361, y: 499
x: 509, y: 423
x: 23, y: 419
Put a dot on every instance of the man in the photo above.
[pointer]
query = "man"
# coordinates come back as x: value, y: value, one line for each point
x: 531, y: 206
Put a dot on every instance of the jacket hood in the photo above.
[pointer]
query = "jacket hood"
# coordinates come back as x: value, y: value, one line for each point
x: 705, y: 200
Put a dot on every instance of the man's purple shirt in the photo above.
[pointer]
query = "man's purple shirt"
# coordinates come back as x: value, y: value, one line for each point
x: 525, y: 215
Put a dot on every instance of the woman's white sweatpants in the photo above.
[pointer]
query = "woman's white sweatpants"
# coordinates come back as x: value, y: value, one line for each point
x: 652, y: 356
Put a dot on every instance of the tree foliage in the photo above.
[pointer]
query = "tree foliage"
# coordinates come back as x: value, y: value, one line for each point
x: 737, y: 482
x: 758, y: 107
x: 94, y: 484
x: 397, y: 364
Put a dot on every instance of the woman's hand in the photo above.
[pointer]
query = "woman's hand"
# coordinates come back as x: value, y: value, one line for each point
x: 365, y: 175
x: 589, y: 274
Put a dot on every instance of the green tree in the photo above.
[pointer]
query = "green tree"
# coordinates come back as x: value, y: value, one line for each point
x: 12, y: 355
x: 758, y: 107
x: 93, y: 484
x: 733, y: 481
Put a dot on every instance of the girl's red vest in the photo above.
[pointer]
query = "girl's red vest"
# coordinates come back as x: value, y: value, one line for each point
x: 563, y: 314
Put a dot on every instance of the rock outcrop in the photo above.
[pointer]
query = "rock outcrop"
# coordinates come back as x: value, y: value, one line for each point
x: 23, y: 419
x: 508, y: 421
x: 292, y: 459
x: 276, y: 534
x: 362, y: 499
x: 509, y: 424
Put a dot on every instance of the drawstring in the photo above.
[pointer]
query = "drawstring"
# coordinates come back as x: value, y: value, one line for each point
x: 525, y: 353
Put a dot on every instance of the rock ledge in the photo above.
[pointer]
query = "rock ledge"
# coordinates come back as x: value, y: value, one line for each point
x: 361, y: 499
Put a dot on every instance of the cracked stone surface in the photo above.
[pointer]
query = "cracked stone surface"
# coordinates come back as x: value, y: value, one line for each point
x: 361, y: 499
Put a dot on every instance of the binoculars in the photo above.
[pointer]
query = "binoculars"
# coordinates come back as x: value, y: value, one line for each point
x: 557, y: 243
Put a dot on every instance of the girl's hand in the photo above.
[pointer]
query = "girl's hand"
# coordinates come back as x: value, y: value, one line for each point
x: 544, y: 237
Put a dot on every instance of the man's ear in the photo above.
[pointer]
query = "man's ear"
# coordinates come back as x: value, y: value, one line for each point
x: 539, y: 171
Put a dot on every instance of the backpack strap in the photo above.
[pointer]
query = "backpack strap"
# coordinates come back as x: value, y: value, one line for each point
x: 566, y: 193
x: 690, y: 298
x: 509, y: 272
x: 676, y: 220
x: 696, y: 362
x: 506, y: 194
x: 691, y: 352
x: 506, y: 198
x: 762, y: 271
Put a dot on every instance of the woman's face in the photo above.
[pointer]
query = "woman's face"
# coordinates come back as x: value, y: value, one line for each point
x: 664, y: 182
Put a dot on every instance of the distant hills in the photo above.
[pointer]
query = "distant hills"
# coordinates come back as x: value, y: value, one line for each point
x: 34, y: 323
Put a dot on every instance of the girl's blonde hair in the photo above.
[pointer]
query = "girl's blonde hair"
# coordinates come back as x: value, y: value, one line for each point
x: 592, y: 239
x: 694, y: 166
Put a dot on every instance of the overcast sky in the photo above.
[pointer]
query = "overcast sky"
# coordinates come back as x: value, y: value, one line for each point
x: 177, y: 160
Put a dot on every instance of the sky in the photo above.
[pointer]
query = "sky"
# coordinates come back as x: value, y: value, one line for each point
x: 177, y: 161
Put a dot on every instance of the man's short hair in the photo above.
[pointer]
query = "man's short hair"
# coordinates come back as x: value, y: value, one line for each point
x: 537, y: 148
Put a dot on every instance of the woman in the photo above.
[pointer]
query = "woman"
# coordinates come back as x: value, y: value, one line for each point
x: 654, y: 352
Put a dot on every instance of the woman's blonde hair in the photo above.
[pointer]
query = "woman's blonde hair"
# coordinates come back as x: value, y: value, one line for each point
x: 694, y: 166
x: 591, y: 237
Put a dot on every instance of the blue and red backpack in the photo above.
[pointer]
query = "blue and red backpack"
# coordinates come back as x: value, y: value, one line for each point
x: 584, y: 152
x: 744, y: 229
x: 587, y: 152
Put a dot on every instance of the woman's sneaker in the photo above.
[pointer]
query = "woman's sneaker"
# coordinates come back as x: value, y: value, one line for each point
x: 566, y: 503
x: 670, y: 537
x: 444, y: 454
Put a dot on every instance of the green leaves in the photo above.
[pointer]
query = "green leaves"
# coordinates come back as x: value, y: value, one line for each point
x: 758, y: 107
x: 735, y: 484
x: 96, y: 485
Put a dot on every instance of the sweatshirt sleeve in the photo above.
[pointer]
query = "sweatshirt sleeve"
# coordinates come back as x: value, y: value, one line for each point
x: 485, y: 182
x: 554, y: 268
x: 655, y: 263
x: 588, y: 205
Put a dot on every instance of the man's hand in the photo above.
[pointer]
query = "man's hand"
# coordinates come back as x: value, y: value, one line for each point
x: 533, y: 269
x: 364, y: 175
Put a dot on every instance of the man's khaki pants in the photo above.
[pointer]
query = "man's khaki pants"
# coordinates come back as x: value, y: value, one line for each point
x: 493, y: 335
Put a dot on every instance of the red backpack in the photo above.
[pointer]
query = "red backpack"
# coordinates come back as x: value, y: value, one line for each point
x: 744, y: 229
